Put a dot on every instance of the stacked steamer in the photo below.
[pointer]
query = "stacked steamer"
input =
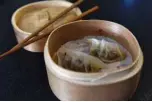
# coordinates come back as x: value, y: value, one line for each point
x: 33, y: 16
x: 93, y: 60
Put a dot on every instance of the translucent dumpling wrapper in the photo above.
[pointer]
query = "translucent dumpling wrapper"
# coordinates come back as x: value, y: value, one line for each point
x: 93, y: 54
x: 107, y: 49
x: 79, y: 61
x: 33, y: 20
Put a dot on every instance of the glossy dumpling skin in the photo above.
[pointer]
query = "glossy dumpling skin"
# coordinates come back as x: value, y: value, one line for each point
x: 34, y: 20
x: 90, y: 54
x: 79, y: 61
x: 106, y: 49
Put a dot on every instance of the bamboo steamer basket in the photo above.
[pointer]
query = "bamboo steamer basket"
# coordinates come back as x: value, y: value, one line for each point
x: 74, y: 86
x: 37, y: 46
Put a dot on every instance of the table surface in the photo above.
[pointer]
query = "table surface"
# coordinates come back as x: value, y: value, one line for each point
x: 23, y: 74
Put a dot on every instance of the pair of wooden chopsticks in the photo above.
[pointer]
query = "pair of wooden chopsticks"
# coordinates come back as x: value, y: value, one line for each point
x: 35, y: 36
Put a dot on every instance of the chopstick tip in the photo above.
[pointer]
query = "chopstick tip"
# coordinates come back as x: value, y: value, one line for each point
x: 1, y: 57
x: 79, y: 1
x: 97, y: 7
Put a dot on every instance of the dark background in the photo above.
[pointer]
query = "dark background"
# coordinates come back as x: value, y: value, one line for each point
x: 23, y: 74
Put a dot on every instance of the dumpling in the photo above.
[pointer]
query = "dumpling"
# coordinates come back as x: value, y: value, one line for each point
x: 34, y: 20
x: 91, y: 54
x: 79, y: 61
x: 107, y: 50
x: 31, y: 21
